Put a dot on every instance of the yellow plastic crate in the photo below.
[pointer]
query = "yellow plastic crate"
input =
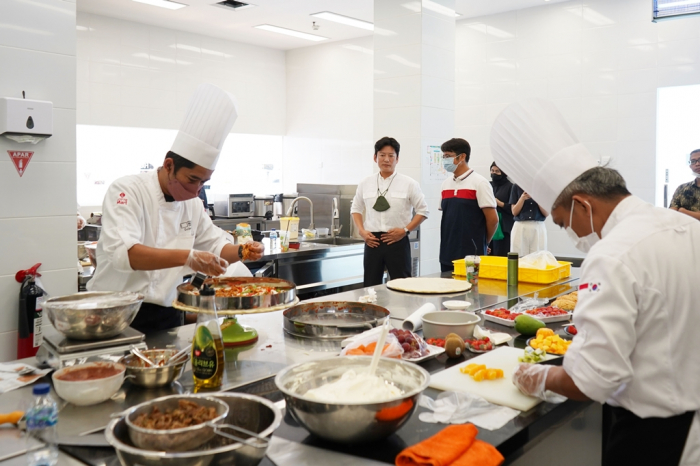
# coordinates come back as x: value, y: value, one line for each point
x: 496, y: 267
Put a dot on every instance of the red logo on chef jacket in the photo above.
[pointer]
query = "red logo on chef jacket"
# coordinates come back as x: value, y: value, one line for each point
x: 590, y: 287
x: 21, y: 159
x: 122, y: 199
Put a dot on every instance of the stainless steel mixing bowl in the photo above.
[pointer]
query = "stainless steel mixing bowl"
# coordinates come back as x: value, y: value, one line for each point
x: 95, y: 315
x: 351, y: 422
x: 182, y: 439
x: 166, y: 372
x: 247, y: 411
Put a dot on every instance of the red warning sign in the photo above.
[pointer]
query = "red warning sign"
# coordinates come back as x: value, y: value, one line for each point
x: 21, y: 159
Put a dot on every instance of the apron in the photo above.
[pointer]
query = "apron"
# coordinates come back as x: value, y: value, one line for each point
x: 654, y: 441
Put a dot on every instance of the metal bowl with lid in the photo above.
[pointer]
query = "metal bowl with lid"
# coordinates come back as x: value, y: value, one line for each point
x: 188, y: 294
x: 250, y: 412
x: 94, y: 315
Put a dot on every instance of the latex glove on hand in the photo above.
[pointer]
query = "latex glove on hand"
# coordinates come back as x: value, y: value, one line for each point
x: 531, y: 380
x: 255, y: 251
x: 206, y: 263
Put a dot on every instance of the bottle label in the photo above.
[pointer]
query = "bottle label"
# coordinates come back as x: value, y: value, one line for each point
x: 204, y: 358
x: 41, y: 418
x: 38, y: 313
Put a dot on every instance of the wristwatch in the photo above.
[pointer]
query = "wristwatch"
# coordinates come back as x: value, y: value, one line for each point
x: 406, y: 230
x: 240, y: 252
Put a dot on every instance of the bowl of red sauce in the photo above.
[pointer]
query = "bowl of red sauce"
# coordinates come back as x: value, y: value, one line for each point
x: 90, y: 383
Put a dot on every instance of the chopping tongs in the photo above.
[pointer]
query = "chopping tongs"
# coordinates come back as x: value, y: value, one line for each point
x: 262, y: 441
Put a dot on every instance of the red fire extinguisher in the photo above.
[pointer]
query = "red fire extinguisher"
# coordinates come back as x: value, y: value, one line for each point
x: 31, y: 300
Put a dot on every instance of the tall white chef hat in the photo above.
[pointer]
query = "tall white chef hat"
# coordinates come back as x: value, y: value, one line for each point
x: 210, y: 116
x: 533, y: 144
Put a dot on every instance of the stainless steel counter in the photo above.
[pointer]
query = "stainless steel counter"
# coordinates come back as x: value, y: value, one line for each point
x: 273, y: 351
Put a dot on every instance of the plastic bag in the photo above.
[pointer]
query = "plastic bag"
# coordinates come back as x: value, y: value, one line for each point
x: 365, y: 345
x: 413, y: 345
x: 540, y: 260
x: 529, y: 303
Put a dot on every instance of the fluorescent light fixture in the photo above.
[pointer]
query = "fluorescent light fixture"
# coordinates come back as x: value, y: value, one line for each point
x: 163, y: 4
x: 437, y: 8
x: 348, y: 21
x: 290, y: 32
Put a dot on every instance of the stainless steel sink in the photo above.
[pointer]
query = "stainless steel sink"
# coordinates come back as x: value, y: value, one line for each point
x: 337, y: 241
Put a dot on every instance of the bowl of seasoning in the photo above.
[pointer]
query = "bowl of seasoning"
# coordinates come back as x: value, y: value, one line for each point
x: 90, y: 383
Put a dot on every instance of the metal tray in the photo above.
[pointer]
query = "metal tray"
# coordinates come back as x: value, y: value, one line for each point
x: 335, y: 320
x: 188, y: 295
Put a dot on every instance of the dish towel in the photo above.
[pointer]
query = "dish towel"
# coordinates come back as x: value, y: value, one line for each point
x: 452, y: 446
x: 459, y: 408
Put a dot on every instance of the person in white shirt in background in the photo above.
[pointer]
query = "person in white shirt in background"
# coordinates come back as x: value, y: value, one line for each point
x: 637, y: 303
x: 382, y: 212
x: 154, y: 227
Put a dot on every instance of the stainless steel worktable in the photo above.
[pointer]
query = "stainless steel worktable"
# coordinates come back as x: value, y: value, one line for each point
x: 273, y: 351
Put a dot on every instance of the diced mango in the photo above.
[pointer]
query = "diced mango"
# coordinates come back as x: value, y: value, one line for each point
x: 545, y: 332
x: 480, y: 375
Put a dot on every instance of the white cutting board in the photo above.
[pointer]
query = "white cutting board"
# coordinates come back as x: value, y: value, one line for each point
x: 500, y: 391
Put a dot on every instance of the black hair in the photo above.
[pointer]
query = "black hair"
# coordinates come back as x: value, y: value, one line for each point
x: 693, y: 152
x: 458, y: 146
x: 179, y: 161
x: 387, y: 141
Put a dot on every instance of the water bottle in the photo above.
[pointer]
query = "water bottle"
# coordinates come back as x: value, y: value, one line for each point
x: 42, y: 417
x: 274, y: 244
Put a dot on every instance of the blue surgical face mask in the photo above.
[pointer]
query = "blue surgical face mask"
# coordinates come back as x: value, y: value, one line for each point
x: 449, y: 164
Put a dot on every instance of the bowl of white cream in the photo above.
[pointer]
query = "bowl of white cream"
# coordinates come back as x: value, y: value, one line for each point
x: 338, y: 400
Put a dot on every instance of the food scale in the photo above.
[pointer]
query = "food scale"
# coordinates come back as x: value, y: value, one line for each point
x: 233, y: 333
x: 58, y: 351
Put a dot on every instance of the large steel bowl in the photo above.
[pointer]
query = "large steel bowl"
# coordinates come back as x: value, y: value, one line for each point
x: 166, y: 371
x: 351, y: 422
x: 250, y: 412
x: 182, y: 439
x: 95, y: 315
x: 332, y: 320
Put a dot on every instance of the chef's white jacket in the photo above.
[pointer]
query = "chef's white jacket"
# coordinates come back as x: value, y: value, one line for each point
x: 638, y: 314
x: 135, y: 212
x: 404, y: 195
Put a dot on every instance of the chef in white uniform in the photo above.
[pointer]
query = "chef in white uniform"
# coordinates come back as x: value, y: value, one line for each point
x: 154, y: 229
x: 637, y: 310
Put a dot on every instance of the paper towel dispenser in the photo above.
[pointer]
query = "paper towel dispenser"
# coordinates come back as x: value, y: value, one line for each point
x: 24, y: 120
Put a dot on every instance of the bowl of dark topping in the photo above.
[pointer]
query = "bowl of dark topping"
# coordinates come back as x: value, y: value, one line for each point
x: 90, y: 383
x: 175, y: 423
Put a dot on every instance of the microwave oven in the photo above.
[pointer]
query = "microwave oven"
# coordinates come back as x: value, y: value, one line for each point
x: 235, y: 206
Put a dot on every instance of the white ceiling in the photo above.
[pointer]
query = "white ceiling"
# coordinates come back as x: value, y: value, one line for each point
x: 202, y: 18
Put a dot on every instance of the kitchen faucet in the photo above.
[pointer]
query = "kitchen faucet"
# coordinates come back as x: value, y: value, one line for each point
x: 336, y: 216
x: 290, y: 211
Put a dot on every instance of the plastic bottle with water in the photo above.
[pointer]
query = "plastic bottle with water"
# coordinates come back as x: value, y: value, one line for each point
x: 42, y: 417
x: 274, y: 242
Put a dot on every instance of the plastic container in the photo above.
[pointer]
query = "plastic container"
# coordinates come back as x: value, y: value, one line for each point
x: 472, y: 264
x: 284, y: 241
x: 42, y: 418
x: 496, y: 268
x: 290, y: 224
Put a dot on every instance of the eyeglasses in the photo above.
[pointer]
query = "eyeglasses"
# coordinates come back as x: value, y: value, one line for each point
x: 448, y: 156
x: 694, y: 162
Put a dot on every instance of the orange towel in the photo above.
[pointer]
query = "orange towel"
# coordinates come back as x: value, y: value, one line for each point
x: 454, y: 445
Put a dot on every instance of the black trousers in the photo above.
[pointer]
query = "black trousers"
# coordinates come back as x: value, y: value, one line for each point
x: 152, y: 318
x: 396, y: 258
x: 501, y: 247
x: 636, y: 441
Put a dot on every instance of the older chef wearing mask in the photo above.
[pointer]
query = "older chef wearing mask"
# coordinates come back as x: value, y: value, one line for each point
x: 154, y: 229
x: 637, y: 302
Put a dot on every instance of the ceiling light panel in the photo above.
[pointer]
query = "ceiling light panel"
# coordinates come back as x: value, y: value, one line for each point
x: 163, y: 4
x: 348, y: 21
x: 291, y: 32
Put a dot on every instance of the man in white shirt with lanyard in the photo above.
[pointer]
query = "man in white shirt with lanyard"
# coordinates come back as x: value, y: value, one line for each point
x: 637, y: 303
x: 382, y: 210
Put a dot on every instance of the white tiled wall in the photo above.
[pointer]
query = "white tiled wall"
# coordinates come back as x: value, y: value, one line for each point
x: 601, y: 61
x: 132, y: 74
x: 329, y: 113
x: 37, y: 215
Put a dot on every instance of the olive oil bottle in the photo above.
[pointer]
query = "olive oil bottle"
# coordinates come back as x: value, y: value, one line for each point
x: 207, y: 345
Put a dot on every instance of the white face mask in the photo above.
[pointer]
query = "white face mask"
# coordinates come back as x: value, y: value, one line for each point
x: 586, y: 243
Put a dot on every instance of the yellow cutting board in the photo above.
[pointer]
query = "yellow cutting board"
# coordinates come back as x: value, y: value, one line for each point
x: 500, y: 391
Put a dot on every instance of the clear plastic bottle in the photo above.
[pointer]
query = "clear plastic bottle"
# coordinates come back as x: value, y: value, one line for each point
x: 207, y: 345
x: 274, y: 243
x: 42, y: 418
